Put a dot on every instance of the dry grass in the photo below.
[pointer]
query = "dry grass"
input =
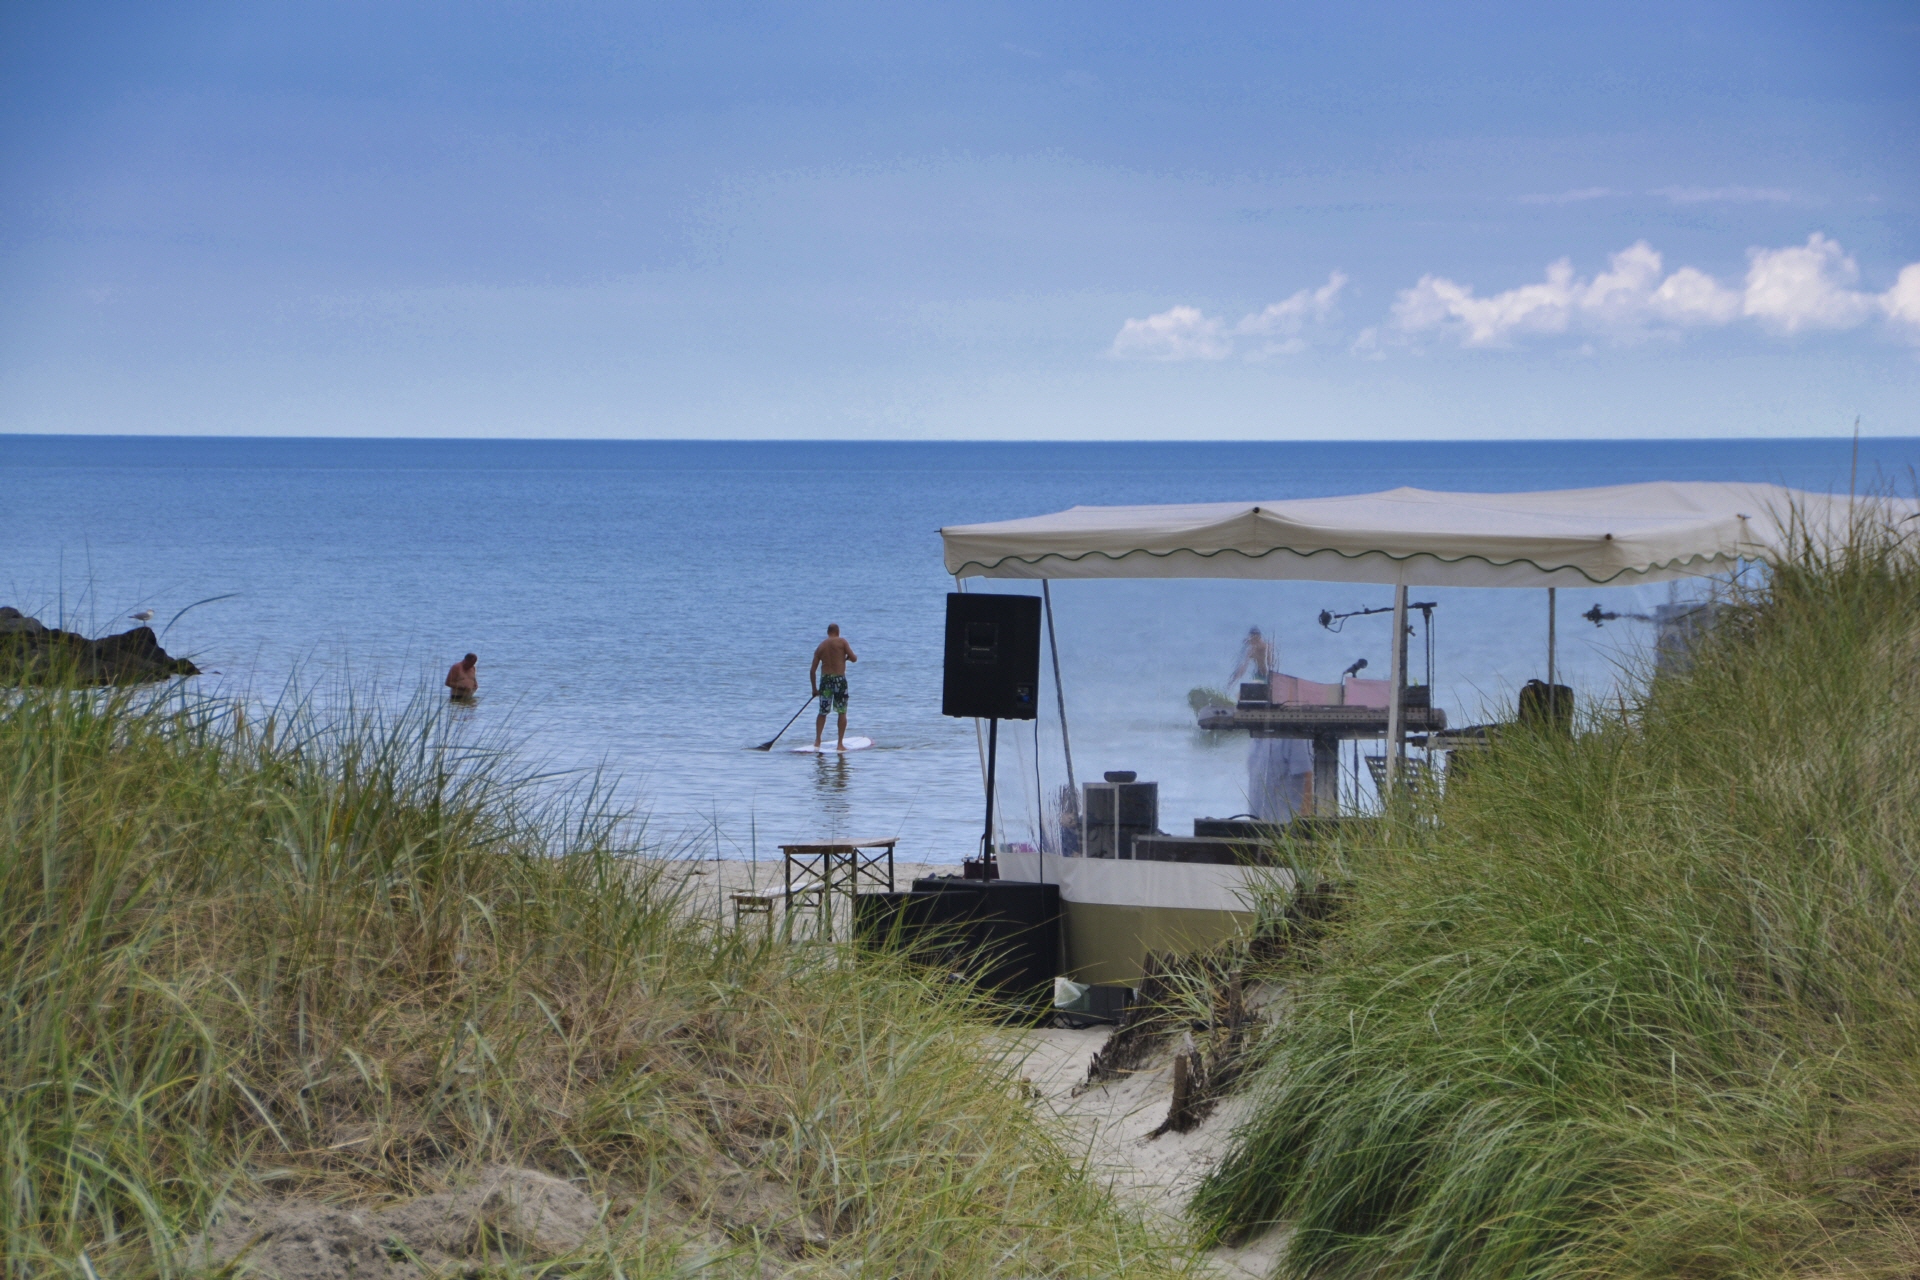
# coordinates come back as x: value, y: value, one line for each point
x: 352, y: 962
x: 1642, y: 1002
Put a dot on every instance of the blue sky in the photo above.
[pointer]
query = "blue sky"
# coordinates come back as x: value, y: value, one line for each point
x: 1090, y: 221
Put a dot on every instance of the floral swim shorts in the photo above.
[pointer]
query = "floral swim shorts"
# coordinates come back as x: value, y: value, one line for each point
x: 833, y: 694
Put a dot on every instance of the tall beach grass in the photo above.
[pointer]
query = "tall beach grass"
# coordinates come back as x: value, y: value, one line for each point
x: 1641, y: 1001
x: 347, y: 961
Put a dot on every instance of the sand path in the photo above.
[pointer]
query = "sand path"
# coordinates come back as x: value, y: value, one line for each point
x: 1112, y: 1122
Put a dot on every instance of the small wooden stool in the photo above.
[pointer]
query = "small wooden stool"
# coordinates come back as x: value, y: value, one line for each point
x: 753, y: 904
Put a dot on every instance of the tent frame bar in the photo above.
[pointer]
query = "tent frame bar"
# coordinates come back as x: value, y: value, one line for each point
x: 1060, y: 699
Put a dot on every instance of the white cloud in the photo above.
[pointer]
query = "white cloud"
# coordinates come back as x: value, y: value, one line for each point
x: 1786, y: 291
x: 1902, y: 302
x: 1572, y: 197
x: 1178, y: 333
x: 1619, y: 300
x: 1732, y: 195
x: 1187, y: 333
x: 1283, y: 324
x: 1691, y: 296
x: 1805, y: 287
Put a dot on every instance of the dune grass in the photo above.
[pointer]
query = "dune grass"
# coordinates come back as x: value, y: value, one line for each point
x: 351, y: 962
x: 1644, y: 1001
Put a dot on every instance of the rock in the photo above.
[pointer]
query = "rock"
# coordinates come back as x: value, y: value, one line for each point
x: 507, y: 1213
x: 519, y: 1212
x: 750, y: 1207
x: 31, y: 653
x: 296, y: 1240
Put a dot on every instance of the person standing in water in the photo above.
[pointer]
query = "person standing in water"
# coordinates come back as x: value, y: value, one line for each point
x: 463, y: 679
x: 830, y: 662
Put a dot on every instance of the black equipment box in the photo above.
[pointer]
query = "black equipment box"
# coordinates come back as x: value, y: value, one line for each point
x: 1227, y: 853
x: 1005, y: 934
x: 992, y: 657
x: 1118, y: 814
x: 1267, y: 834
x: 1104, y: 1004
x: 1547, y: 705
x: 1237, y: 829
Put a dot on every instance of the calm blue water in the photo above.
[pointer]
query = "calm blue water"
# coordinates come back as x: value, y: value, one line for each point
x: 651, y: 606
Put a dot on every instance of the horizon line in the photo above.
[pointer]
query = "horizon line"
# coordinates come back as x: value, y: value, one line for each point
x: 946, y: 440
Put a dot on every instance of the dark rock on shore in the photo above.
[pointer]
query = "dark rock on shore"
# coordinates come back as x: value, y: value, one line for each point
x: 34, y: 654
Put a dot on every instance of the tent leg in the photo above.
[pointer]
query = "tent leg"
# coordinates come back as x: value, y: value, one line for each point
x: 1326, y: 777
x: 1397, y: 691
x: 1060, y: 697
x: 986, y: 838
x: 1553, y: 690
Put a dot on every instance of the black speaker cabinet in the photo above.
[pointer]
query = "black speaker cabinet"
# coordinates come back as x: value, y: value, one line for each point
x: 993, y: 657
x: 1004, y: 933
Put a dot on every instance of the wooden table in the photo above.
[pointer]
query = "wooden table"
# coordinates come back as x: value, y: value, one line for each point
x: 816, y: 869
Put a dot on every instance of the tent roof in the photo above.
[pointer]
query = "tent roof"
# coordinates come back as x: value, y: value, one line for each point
x: 1612, y: 536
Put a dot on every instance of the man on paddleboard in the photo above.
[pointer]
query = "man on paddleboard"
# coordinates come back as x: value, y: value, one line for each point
x: 830, y: 662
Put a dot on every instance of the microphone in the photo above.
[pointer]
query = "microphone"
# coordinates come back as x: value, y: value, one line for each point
x: 1356, y: 667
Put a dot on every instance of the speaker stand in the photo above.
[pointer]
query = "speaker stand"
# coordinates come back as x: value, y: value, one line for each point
x: 986, y: 866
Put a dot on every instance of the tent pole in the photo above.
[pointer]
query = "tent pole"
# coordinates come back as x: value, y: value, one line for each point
x: 979, y: 742
x: 1397, y: 691
x: 986, y: 838
x: 1553, y: 691
x: 1060, y: 696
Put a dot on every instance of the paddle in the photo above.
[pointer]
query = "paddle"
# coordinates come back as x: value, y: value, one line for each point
x: 768, y: 744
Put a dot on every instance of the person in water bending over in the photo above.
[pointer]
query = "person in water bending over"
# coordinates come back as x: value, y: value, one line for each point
x: 830, y: 662
x: 463, y: 680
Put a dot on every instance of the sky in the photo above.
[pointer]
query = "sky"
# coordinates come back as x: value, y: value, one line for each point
x: 980, y: 221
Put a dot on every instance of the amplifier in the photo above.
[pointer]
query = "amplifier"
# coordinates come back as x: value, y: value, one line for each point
x: 1117, y: 813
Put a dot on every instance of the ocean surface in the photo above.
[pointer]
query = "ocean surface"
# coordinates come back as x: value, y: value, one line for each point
x: 647, y: 610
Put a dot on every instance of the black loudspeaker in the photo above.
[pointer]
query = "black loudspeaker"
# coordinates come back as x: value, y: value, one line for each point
x: 1005, y: 934
x: 993, y: 657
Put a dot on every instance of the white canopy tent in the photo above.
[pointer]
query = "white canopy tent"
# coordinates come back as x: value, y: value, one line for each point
x: 1615, y: 536
x: 1611, y: 536
x: 1114, y: 913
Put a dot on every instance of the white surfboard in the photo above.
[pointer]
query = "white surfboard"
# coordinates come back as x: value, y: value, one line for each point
x: 826, y: 747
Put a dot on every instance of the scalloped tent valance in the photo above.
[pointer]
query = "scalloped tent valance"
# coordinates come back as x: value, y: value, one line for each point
x: 1615, y: 536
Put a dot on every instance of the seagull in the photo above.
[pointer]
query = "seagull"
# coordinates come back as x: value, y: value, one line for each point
x: 145, y: 615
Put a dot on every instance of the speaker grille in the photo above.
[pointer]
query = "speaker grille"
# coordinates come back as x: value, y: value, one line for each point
x: 992, y: 657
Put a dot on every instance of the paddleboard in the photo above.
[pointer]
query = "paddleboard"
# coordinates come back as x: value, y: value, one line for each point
x: 826, y: 747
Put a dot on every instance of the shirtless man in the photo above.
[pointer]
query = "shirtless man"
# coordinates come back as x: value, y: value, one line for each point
x: 831, y: 660
x: 1256, y: 658
x: 462, y: 679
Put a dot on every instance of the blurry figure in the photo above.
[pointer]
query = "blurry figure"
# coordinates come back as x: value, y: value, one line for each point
x: 463, y: 679
x: 1256, y: 658
x: 1279, y: 778
x: 1068, y: 810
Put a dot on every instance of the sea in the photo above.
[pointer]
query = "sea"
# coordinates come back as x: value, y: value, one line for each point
x: 644, y: 611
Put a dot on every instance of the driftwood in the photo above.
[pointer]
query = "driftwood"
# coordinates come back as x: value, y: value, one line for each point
x: 1204, y: 1068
